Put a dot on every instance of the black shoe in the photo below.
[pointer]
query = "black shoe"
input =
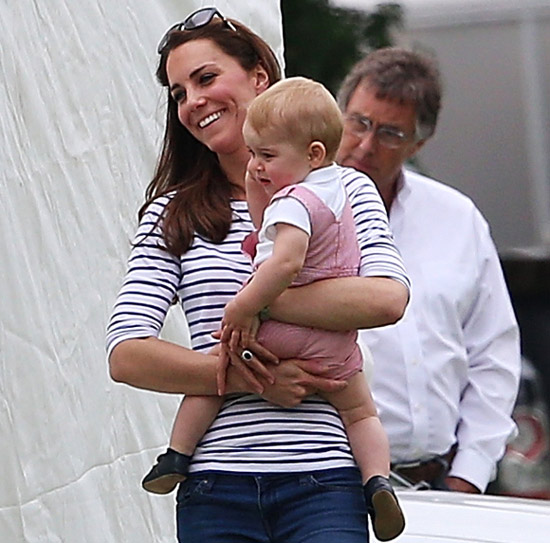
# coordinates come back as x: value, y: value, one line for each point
x: 386, y: 515
x: 170, y: 470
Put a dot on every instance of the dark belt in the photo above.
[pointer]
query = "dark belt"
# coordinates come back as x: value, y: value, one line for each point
x: 433, y: 470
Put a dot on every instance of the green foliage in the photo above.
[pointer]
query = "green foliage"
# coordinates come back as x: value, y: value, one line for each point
x: 323, y: 42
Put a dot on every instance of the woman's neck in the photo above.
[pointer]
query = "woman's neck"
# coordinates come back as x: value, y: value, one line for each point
x: 234, y: 167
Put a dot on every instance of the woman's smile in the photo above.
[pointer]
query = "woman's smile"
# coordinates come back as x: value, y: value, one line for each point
x: 209, y: 119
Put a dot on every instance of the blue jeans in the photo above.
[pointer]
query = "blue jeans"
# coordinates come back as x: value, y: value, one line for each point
x: 315, y: 507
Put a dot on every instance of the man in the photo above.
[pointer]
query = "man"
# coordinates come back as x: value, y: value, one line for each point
x: 446, y: 376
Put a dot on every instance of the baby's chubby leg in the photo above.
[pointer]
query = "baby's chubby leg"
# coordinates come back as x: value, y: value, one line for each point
x: 194, y: 417
x: 366, y: 435
x: 370, y: 447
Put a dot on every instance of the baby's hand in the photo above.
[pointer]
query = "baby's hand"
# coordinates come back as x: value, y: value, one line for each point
x: 238, y: 327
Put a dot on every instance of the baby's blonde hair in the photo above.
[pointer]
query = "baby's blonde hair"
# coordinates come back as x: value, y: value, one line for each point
x: 302, y: 109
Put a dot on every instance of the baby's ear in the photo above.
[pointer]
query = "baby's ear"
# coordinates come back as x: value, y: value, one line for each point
x: 316, y: 153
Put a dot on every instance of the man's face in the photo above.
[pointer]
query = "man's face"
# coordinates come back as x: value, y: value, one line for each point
x: 366, y: 153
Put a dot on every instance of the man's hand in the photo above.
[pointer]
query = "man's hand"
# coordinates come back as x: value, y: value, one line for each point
x: 460, y: 485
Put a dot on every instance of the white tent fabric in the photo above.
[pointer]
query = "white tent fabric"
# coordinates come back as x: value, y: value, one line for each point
x: 81, y: 122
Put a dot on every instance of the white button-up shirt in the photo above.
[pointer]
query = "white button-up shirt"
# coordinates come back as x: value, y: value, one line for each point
x: 449, y: 370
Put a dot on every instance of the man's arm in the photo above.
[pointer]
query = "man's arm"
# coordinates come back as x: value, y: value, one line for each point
x: 491, y: 338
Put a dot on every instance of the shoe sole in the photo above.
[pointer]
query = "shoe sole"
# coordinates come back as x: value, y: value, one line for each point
x: 164, y: 484
x: 389, y: 521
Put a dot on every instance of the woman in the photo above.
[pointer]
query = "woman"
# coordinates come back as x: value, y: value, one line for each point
x: 262, y: 472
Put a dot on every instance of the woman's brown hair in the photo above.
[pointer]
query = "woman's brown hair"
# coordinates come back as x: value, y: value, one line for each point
x: 202, y: 192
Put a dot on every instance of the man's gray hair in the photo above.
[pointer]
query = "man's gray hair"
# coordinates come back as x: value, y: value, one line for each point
x: 401, y: 75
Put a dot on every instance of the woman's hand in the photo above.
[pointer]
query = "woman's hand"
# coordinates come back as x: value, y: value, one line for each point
x: 295, y: 380
x: 253, y: 372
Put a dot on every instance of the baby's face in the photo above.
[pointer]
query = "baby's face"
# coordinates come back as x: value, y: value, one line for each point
x: 275, y: 162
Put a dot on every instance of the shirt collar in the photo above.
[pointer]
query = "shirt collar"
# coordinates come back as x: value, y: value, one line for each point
x: 402, y: 187
x: 402, y: 191
x: 323, y: 174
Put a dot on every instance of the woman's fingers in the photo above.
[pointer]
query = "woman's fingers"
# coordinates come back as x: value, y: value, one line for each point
x: 221, y: 372
x: 262, y: 353
x: 224, y: 335
x: 258, y: 368
x: 235, y: 341
x: 322, y: 384
x: 294, y: 382
x: 249, y: 377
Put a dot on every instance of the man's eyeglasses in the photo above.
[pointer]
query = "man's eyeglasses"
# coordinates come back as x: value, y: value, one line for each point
x: 389, y: 137
x: 197, y: 19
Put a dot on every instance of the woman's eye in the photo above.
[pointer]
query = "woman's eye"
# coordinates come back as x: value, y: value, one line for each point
x: 207, y: 78
x: 178, y: 96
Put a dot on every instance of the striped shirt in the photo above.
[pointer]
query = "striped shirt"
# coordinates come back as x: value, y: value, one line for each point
x: 250, y: 435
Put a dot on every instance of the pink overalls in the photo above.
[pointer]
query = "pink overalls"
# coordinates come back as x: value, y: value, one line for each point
x: 333, y: 252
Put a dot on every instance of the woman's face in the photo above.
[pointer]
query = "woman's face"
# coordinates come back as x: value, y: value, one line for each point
x: 212, y: 92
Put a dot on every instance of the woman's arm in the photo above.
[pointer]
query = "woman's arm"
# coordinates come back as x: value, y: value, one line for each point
x: 345, y: 303
x: 161, y: 366
x: 378, y: 297
x: 154, y: 364
x: 138, y: 358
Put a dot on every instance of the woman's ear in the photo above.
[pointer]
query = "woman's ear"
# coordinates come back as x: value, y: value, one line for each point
x: 316, y: 153
x: 261, y: 79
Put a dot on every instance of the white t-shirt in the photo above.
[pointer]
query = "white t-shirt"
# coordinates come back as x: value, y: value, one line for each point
x: 325, y: 183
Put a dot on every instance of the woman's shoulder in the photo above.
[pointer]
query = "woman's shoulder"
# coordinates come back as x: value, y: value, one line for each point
x: 353, y: 178
x: 359, y: 186
x: 156, y: 206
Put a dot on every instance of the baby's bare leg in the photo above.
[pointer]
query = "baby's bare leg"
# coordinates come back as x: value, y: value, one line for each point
x: 368, y: 440
x: 371, y: 450
x: 194, y: 417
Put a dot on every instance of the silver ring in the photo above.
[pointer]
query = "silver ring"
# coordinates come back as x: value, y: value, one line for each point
x: 247, y: 355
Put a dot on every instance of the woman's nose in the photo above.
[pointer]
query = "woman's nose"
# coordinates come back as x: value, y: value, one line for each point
x: 195, y: 98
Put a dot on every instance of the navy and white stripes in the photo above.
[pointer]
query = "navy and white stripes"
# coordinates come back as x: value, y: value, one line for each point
x: 250, y: 435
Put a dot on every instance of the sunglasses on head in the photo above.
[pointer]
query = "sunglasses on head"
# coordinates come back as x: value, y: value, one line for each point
x: 197, y: 19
